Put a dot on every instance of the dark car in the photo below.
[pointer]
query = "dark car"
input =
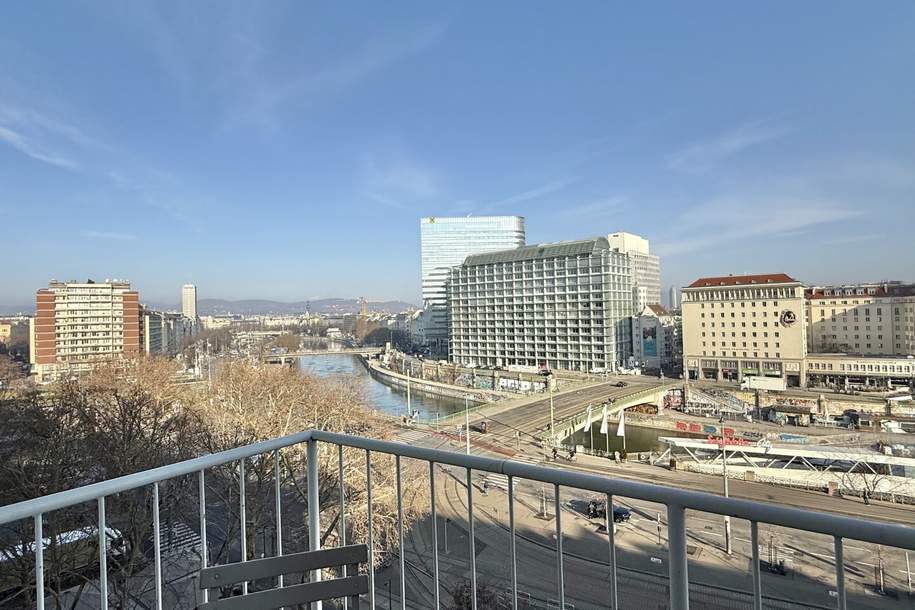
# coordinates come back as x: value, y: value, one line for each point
x: 621, y: 384
x: 598, y: 509
x: 620, y: 514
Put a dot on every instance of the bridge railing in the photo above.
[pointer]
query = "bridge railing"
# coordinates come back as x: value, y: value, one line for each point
x: 623, y: 402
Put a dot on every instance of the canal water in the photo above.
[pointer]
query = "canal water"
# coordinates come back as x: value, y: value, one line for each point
x: 638, y: 438
x: 392, y: 401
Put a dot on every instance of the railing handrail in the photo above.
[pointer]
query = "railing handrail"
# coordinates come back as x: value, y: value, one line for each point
x: 893, y: 535
x: 889, y: 534
x: 93, y: 491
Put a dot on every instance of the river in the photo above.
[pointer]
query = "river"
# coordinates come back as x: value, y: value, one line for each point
x: 386, y: 399
x: 393, y: 401
x: 638, y: 438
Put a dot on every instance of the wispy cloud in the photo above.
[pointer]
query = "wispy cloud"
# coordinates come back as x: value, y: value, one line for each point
x: 403, y: 177
x: 34, y: 150
x: 261, y: 93
x: 394, y: 178
x: 39, y: 135
x: 730, y: 220
x: 108, y: 235
x: 534, y: 193
x: 596, y: 209
x: 703, y: 156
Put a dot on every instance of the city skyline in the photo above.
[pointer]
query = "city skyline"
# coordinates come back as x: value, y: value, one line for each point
x: 260, y: 163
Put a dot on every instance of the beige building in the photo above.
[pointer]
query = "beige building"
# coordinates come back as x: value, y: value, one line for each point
x: 862, y: 319
x: 6, y: 332
x: 844, y: 370
x: 189, y: 301
x: 737, y: 326
x: 77, y: 325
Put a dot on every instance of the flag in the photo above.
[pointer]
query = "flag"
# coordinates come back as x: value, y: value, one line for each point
x: 586, y: 425
x: 603, y: 422
x: 621, y: 428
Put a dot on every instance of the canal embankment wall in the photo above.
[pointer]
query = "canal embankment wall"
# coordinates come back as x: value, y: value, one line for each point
x: 430, y: 388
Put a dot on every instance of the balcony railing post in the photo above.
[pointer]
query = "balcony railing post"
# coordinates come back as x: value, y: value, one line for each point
x: 757, y: 577
x: 157, y: 545
x: 676, y: 542
x: 202, y: 496
x: 243, y: 518
x: 314, y: 508
x: 560, y: 573
x: 102, y: 555
x: 342, y: 521
x: 369, y: 534
x: 840, y: 573
x: 401, y: 551
x: 473, y: 544
x: 39, y: 563
x: 611, y: 542
x: 514, y: 552
x: 278, y: 508
x: 434, y: 536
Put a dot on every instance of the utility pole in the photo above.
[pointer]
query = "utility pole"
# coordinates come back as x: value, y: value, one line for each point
x: 467, y: 421
x: 409, y: 407
x: 724, y: 476
x: 659, y: 529
x: 552, y: 420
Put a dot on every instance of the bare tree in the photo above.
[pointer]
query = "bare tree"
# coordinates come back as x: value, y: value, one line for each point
x: 122, y: 419
x: 250, y: 403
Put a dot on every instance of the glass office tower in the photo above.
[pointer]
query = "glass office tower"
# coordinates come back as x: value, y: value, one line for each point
x: 446, y: 242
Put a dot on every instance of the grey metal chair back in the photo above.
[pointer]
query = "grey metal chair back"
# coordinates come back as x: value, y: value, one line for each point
x: 351, y: 586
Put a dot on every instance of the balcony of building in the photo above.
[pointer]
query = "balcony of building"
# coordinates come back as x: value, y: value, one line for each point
x: 439, y: 527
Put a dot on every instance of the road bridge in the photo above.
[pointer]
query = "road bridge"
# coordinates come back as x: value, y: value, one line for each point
x: 343, y: 351
x: 567, y: 409
x: 615, y: 405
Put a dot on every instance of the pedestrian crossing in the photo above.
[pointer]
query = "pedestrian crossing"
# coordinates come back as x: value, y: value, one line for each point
x: 496, y: 480
x: 411, y: 436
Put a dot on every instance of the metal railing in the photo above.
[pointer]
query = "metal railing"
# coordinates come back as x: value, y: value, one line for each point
x: 677, y: 502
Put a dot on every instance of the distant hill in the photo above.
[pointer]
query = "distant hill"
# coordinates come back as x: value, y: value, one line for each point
x: 261, y: 306
x: 255, y: 306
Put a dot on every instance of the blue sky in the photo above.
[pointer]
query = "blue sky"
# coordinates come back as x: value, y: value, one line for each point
x: 287, y: 149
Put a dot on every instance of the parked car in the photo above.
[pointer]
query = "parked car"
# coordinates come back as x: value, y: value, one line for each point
x: 620, y: 514
x: 598, y: 509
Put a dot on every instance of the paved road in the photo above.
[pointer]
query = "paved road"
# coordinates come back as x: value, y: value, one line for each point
x: 642, y: 560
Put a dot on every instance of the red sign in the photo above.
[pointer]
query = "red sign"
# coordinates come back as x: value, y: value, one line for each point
x: 681, y: 425
x: 695, y: 428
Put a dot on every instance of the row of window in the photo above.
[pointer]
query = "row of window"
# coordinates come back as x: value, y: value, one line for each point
x: 724, y: 354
